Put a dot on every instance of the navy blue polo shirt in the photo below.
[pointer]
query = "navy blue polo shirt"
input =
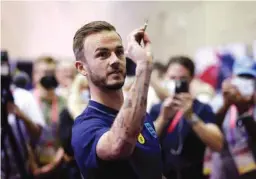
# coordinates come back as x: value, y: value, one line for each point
x: 145, y: 162
x: 182, y: 149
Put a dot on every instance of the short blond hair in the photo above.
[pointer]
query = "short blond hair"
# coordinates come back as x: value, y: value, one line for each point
x: 45, y: 60
x: 75, y: 104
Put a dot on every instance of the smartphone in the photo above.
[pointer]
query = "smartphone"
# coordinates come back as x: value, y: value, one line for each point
x: 181, y: 86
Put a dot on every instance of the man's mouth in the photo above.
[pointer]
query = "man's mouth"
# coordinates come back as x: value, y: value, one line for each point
x: 115, y: 72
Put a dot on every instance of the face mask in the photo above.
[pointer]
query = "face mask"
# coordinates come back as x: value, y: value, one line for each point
x: 204, y: 98
x: 169, y: 85
x: 49, y: 82
x: 85, y: 95
x: 245, y: 86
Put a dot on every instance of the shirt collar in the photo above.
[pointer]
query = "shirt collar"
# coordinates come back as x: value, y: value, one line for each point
x: 102, y: 107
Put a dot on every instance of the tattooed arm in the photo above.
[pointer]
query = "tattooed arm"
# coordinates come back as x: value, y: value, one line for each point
x: 120, y: 140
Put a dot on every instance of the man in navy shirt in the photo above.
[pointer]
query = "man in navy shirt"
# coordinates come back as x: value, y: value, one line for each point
x: 114, y: 137
x: 185, y: 126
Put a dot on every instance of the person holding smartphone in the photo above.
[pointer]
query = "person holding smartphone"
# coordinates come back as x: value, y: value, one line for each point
x: 185, y: 125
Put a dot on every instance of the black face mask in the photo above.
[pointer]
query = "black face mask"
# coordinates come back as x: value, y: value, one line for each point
x: 49, y: 82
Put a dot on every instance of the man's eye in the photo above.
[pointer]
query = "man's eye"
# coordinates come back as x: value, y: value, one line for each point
x: 103, y: 54
x: 119, y: 53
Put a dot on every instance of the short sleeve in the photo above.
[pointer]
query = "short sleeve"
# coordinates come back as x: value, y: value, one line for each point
x: 207, y: 114
x: 155, y: 111
x: 85, y: 136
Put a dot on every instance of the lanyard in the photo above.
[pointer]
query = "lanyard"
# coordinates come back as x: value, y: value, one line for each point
x: 54, y: 106
x: 233, y: 116
x: 172, y: 126
x: 175, y: 121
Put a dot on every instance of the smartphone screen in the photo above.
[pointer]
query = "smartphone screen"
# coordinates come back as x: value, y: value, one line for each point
x: 181, y: 86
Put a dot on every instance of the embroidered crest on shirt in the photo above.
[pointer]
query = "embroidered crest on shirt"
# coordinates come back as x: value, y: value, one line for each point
x: 141, y: 139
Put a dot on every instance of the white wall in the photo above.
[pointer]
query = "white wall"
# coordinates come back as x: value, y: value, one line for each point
x: 29, y: 29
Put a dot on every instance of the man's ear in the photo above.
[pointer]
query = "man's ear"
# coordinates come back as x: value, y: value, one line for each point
x: 80, y: 67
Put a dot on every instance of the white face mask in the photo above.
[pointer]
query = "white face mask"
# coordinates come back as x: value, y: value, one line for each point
x: 245, y: 86
x: 169, y: 85
x: 204, y: 98
x: 85, y: 95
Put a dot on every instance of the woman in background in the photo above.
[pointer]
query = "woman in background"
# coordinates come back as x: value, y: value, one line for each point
x: 76, y: 103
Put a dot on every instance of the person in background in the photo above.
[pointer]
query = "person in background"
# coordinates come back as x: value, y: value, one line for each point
x: 114, y: 137
x: 48, y: 151
x: 79, y: 96
x: 184, y: 125
x: 21, y: 80
x: 156, y: 91
x: 26, y: 121
x: 77, y: 101
x: 236, y: 116
x: 204, y: 93
x: 160, y: 89
x: 65, y: 74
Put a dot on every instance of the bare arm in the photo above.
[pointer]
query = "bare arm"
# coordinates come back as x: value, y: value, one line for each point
x: 210, y: 134
x: 34, y: 130
x: 160, y: 91
x: 120, y: 140
x: 160, y: 123
x: 168, y: 110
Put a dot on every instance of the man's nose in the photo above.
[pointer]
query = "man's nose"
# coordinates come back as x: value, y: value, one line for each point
x: 114, y: 60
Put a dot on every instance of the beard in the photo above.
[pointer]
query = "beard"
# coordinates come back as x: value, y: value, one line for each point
x: 101, y: 82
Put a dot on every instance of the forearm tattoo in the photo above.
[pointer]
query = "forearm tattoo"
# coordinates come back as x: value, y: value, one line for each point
x: 130, y: 119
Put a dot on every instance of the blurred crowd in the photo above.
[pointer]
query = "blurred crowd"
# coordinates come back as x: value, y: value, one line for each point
x: 46, y: 113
